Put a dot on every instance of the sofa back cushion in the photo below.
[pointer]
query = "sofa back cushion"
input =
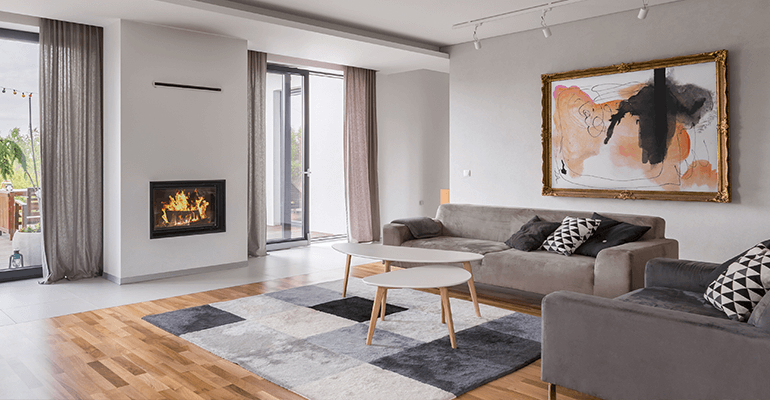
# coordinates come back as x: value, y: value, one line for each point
x: 760, y: 317
x: 499, y: 223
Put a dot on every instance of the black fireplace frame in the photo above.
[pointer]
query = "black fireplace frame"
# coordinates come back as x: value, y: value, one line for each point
x: 219, y: 208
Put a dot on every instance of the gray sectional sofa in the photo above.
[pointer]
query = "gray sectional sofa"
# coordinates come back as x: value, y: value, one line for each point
x: 484, y: 229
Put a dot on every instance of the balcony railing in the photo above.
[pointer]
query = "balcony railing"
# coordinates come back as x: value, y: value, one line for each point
x: 16, y: 213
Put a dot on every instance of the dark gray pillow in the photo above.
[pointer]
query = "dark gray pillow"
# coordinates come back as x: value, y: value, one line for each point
x: 421, y: 227
x: 610, y: 233
x: 532, y: 234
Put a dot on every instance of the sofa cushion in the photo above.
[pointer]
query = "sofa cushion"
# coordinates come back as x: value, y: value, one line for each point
x: 760, y: 317
x: 532, y: 234
x: 570, y: 235
x: 610, y: 233
x: 537, y: 271
x: 672, y: 299
x: 478, y: 246
x: 738, y: 289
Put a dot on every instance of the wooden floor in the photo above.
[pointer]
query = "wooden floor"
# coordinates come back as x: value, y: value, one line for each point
x: 113, y: 354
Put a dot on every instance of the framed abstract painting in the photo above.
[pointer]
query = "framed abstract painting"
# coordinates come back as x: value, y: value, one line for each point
x: 648, y: 130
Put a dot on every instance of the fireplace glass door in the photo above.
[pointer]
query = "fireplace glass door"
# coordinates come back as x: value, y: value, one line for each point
x: 287, y: 156
x: 183, y: 208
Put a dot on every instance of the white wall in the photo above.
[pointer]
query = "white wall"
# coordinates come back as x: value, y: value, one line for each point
x: 413, y: 142
x: 156, y: 134
x: 495, y: 123
x: 111, y: 143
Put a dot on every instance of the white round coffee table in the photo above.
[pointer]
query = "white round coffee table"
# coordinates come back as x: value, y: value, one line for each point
x: 427, y: 277
x: 417, y: 255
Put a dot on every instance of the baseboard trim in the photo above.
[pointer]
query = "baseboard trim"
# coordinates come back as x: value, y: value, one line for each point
x: 173, y: 274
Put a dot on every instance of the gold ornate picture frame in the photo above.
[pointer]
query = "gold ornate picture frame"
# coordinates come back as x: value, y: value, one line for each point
x: 655, y: 130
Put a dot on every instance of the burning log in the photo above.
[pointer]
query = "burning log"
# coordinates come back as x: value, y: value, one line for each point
x: 175, y: 218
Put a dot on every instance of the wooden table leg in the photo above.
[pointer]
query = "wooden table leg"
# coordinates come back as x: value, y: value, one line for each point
x: 443, y: 316
x: 384, y: 299
x: 448, y: 312
x: 347, y: 275
x: 384, y: 304
x: 373, y: 321
x: 472, y: 288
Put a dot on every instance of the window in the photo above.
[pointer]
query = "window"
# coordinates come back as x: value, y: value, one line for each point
x: 19, y: 124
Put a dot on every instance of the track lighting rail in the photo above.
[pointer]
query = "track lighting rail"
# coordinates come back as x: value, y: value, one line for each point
x: 531, y: 9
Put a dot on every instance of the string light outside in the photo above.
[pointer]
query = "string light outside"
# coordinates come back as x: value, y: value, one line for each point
x: 15, y: 92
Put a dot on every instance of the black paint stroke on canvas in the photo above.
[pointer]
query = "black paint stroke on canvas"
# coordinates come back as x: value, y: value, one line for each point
x: 659, y: 105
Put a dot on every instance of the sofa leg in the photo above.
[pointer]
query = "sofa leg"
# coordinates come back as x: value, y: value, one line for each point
x: 551, y: 391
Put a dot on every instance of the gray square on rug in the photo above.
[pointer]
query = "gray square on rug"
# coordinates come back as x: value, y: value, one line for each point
x: 482, y: 355
x: 351, y: 342
x: 192, y: 319
x: 281, y: 358
x: 517, y: 324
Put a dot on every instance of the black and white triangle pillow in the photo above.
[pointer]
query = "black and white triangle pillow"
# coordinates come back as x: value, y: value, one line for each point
x: 739, y: 288
x: 570, y: 235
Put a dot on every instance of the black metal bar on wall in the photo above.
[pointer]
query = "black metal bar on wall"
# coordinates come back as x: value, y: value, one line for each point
x: 181, y: 86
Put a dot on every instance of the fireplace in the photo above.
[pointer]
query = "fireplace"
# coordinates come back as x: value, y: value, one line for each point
x: 181, y: 208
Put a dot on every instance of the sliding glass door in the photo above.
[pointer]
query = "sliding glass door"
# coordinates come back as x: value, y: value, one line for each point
x: 20, y: 227
x: 287, y: 175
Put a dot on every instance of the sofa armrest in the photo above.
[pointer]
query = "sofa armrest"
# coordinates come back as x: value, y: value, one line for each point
x: 678, y: 274
x: 620, y: 269
x: 615, y: 349
x: 395, y: 234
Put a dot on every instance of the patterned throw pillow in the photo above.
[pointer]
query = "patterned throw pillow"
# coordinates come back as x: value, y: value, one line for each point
x: 739, y: 288
x: 570, y: 235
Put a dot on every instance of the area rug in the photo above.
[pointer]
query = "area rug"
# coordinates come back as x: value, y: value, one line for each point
x: 312, y: 341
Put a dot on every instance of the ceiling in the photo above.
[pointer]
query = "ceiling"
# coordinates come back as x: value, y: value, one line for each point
x: 388, y: 36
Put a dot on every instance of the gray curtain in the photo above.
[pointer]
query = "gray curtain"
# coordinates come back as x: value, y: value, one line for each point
x: 360, y: 137
x: 71, y: 147
x: 257, y: 214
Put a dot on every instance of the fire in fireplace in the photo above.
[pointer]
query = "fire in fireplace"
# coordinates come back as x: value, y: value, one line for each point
x: 179, y: 208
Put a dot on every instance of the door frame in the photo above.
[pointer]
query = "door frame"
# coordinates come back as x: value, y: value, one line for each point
x: 284, y: 243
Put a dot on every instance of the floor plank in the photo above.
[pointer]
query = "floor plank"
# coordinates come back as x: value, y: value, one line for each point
x: 113, y: 354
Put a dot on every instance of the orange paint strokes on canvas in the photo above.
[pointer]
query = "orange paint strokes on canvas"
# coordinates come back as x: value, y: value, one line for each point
x: 680, y: 142
x: 627, y: 153
x: 579, y: 125
x: 700, y: 173
x: 629, y: 91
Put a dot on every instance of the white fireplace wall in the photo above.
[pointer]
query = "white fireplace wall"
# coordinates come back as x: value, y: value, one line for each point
x: 159, y: 134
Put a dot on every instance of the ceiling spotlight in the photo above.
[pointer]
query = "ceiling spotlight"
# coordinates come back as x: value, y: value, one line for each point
x: 476, y: 41
x: 546, y: 29
x: 546, y: 32
x: 643, y: 11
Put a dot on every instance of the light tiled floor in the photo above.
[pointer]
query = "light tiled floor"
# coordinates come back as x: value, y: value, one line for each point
x: 23, y: 301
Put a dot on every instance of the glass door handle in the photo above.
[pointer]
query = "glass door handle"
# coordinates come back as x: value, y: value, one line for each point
x: 306, y: 173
